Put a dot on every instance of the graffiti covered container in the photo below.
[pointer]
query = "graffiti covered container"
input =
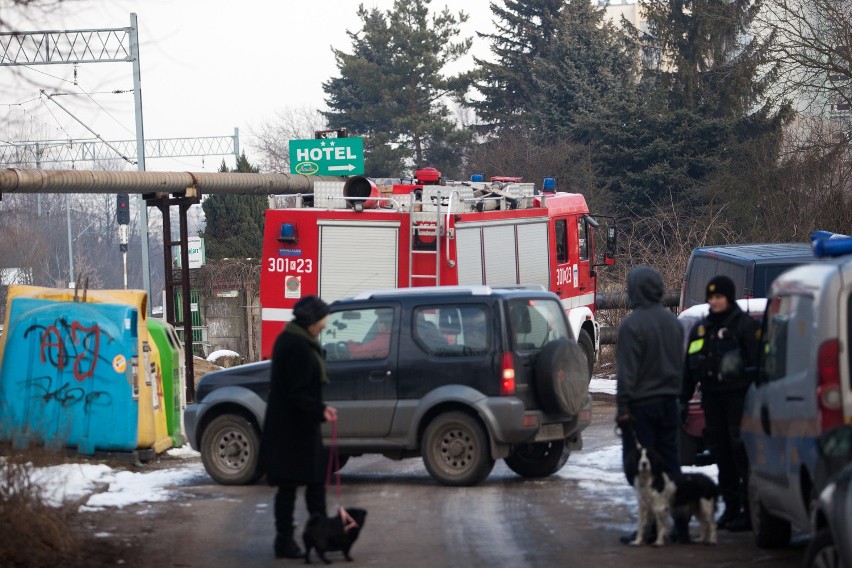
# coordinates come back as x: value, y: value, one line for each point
x: 69, y: 377
x: 170, y: 363
x: 152, y: 430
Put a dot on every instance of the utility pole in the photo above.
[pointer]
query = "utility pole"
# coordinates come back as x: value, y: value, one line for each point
x: 87, y: 46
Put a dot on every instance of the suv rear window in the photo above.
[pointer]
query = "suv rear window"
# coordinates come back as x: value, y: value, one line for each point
x: 536, y: 323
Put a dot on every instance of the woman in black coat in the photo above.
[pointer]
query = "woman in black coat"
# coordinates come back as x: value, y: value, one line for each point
x: 291, y: 447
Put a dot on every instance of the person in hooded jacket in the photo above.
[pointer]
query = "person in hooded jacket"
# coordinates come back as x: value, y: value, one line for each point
x: 649, y: 375
x: 291, y: 449
x: 722, y: 353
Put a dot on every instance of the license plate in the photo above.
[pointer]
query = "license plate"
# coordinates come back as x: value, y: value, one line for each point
x: 550, y: 432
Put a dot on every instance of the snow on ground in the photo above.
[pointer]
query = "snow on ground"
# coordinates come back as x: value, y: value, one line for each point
x: 597, y: 471
x: 107, y: 487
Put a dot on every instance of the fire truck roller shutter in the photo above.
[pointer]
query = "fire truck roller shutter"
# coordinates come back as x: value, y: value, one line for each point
x: 362, y: 188
x: 533, y: 254
x: 355, y: 256
x: 503, y: 253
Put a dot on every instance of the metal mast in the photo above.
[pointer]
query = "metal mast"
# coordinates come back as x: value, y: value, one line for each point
x: 87, y: 46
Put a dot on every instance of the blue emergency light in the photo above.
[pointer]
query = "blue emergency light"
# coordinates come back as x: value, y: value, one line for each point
x: 288, y: 233
x: 477, y: 177
x: 549, y: 184
x: 830, y: 244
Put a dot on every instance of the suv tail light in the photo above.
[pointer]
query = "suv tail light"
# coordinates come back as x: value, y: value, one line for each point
x: 828, y: 385
x: 507, y: 380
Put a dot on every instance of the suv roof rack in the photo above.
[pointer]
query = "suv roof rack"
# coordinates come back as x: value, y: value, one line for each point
x: 473, y: 290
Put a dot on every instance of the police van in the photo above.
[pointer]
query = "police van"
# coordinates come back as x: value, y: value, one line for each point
x: 803, y: 389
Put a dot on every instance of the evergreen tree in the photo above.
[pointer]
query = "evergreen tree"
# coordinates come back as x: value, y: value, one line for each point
x: 392, y: 88
x: 700, y: 121
x: 524, y: 32
x: 590, y: 65
x: 709, y: 58
x: 234, y: 223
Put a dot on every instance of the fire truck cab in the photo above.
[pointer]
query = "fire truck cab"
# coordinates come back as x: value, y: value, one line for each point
x: 359, y: 234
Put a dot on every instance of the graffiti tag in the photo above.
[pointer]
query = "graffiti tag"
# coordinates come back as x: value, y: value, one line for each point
x: 61, y: 343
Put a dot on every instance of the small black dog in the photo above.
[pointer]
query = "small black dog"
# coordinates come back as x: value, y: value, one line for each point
x: 337, y: 532
x: 696, y: 495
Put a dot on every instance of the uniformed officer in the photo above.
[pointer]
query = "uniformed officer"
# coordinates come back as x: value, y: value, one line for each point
x: 722, y: 354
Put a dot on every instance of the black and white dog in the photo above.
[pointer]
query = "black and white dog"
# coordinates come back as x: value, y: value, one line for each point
x: 655, y: 492
x: 660, y: 496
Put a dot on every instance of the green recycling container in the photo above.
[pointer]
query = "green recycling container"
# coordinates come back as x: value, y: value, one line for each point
x: 170, y: 361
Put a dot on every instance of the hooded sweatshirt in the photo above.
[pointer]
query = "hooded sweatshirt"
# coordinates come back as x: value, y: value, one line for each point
x: 649, y: 352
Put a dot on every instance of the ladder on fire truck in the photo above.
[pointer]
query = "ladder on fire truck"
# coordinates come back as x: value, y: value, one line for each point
x: 428, y: 228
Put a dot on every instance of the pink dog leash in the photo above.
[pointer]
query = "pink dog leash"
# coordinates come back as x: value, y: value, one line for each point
x: 334, y: 465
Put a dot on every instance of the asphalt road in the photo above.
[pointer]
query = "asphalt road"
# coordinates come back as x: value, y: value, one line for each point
x: 413, y: 522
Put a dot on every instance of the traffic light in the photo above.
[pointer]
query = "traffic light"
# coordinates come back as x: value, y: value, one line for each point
x: 122, y: 210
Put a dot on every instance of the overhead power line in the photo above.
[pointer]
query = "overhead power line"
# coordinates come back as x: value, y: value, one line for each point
x: 39, y: 153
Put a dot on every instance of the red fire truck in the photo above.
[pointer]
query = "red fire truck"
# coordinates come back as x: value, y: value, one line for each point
x: 363, y: 234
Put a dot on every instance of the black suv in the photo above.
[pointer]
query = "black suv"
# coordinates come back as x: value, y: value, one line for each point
x: 458, y: 375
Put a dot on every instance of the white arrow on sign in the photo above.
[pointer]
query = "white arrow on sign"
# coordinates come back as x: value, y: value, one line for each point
x: 347, y: 167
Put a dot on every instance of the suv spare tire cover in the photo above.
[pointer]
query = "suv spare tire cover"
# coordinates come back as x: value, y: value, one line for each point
x: 562, y: 377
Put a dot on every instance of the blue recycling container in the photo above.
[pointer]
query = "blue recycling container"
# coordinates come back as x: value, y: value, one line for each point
x: 69, y: 375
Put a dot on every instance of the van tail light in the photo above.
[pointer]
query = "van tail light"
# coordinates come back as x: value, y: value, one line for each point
x: 829, y: 398
x: 507, y: 380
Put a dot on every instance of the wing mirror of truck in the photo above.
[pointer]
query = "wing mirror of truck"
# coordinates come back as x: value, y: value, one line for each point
x: 611, y: 243
x: 611, y: 240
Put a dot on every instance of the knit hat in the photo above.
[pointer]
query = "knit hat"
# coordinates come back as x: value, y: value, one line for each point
x: 309, y: 310
x: 724, y: 286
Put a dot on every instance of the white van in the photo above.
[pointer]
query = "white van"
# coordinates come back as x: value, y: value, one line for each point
x: 803, y: 389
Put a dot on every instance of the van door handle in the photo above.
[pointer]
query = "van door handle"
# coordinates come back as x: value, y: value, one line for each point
x: 378, y: 376
x: 764, y: 421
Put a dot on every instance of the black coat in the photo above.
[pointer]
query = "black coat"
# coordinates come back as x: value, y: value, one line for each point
x: 732, y: 331
x: 291, y: 448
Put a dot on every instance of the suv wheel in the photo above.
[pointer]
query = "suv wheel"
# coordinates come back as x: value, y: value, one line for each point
x: 229, y: 450
x: 455, y: 450
x: 562, y: 377
x: 769, y: 530
x: 538, y: 460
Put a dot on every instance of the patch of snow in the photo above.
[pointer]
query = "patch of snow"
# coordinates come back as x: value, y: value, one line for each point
x: 216, y: 355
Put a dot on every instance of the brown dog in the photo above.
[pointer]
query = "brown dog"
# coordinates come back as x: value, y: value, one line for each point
x: 337, y: 532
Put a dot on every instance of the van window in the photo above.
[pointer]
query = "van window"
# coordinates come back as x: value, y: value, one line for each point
x: 764, y: 275
x: 736, y: 272
x: 701, y: 271
x: 774, y: 341
x: 789, y: 336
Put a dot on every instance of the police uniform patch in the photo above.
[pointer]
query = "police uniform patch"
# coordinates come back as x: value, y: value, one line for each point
x: 700, y: 331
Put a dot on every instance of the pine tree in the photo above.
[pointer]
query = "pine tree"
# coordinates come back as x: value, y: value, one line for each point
x: 392, y: 88
x: 234, y: 223
x: 524, y: 32
x: 589, y: 65
x: 700, y: 121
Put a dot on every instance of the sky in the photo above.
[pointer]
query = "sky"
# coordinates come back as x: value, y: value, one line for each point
x: 598, y: 472
x: 208, y: 67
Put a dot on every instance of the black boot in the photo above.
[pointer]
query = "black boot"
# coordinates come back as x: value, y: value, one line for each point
x: 286, y: 547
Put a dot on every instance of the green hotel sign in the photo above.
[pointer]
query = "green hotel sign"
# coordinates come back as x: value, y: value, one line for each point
x: 327, y: 156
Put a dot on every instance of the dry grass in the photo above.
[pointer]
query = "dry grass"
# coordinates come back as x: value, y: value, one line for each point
x: 34, y: 533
